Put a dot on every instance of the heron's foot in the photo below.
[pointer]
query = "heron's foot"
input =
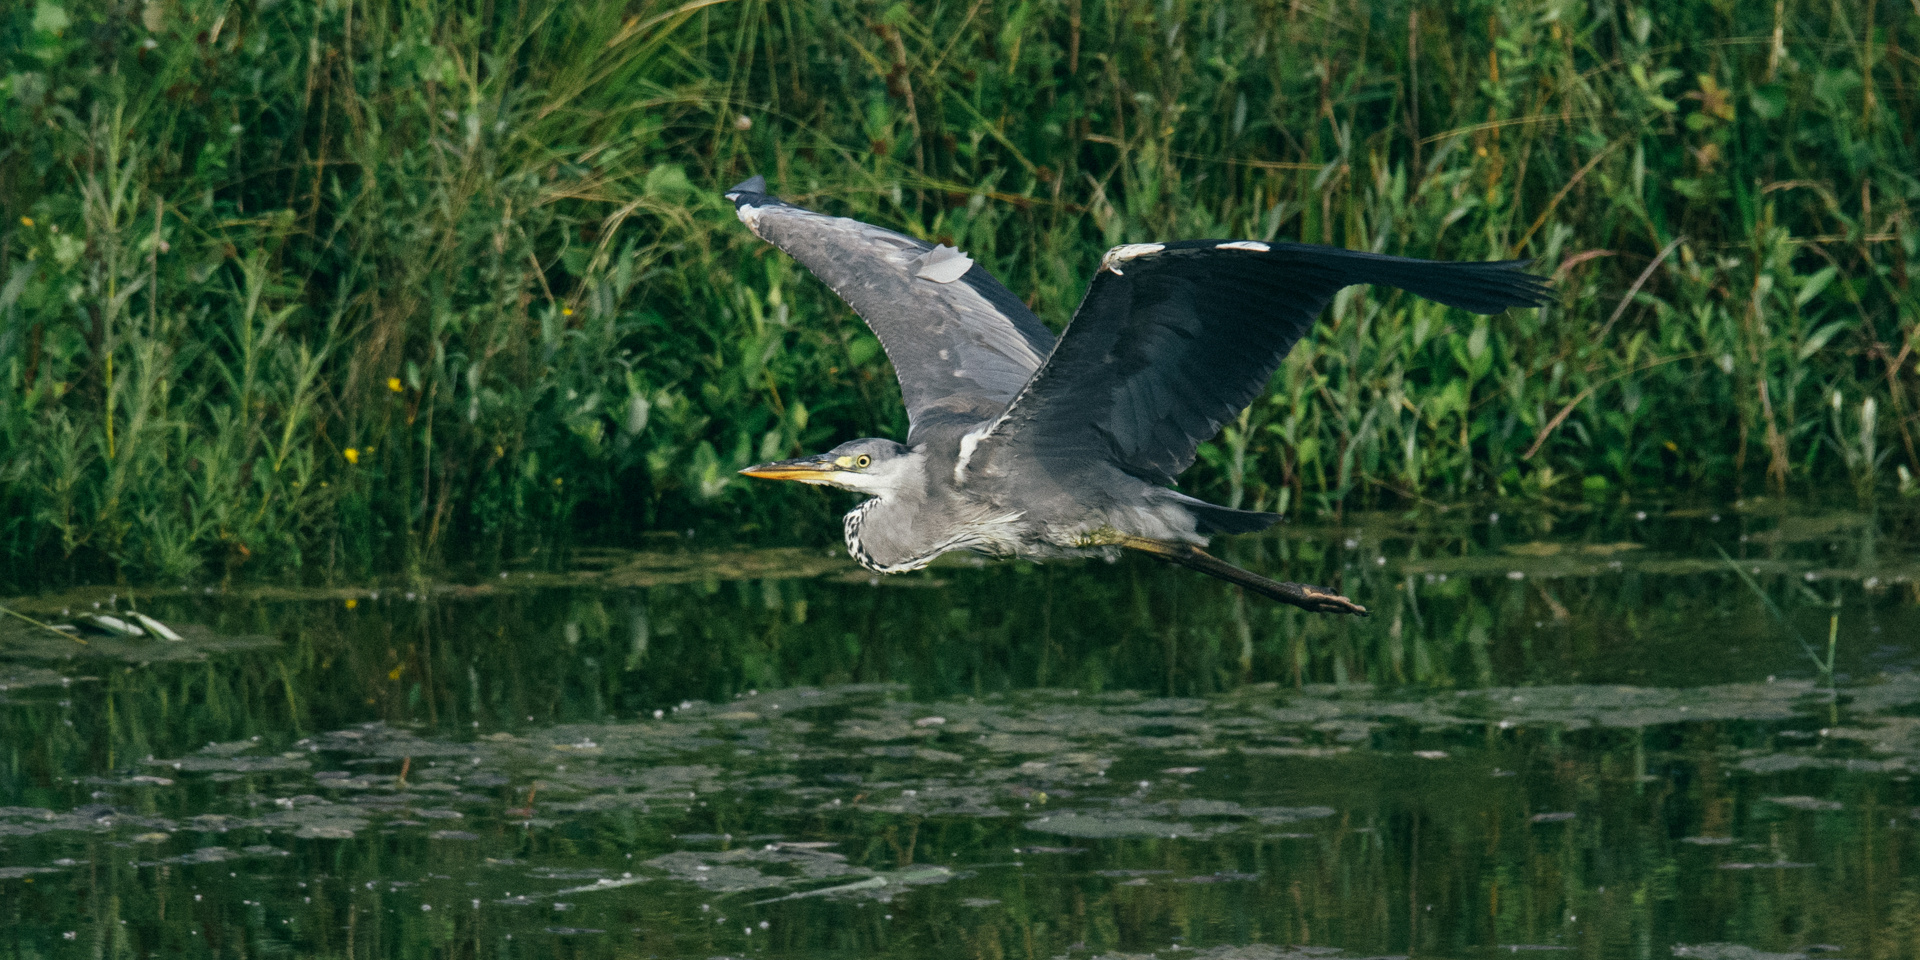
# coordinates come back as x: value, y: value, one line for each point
x: 1318, y: 599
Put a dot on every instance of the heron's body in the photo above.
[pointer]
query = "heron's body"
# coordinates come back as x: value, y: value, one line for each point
x: 906, y: 528
x: 1021, y: 444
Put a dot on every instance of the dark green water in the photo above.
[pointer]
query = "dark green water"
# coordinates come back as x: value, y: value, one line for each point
x: 1576, y: 734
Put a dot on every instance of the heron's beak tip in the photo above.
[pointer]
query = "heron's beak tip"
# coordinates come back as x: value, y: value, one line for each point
x: 803, y: 469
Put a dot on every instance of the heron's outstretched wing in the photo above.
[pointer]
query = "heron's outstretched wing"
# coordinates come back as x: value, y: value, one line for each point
x: 1173, y: 340
x: 961, y: 344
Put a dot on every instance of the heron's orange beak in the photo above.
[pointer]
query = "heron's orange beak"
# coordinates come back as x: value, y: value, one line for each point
x: 804, y: 469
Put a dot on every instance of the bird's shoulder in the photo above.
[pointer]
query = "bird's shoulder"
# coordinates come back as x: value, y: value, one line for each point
x: 941, y: 429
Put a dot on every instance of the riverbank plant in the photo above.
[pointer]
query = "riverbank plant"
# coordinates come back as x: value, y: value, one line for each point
x: 355, y: 287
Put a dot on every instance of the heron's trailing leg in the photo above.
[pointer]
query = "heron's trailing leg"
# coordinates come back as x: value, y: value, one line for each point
x: 1315, y: 599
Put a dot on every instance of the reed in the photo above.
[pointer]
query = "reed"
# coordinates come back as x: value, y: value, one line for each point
x: 366, y: 287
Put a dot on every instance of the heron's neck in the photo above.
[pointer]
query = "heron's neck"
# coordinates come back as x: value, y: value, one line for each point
x: 892, y: 532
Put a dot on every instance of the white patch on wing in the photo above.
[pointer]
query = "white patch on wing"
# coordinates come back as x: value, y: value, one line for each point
x: 1127, y: 251
x: 749, y: 215
x: 968, y: 441
x: 1253, y: 245
x: 942, y: 264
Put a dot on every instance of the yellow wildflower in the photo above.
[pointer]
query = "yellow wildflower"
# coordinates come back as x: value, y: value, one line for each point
x: 566, y: 311
x: 353, y: 456
x: 393, y: 383
x: 351, y: 603
x: 26, y: 221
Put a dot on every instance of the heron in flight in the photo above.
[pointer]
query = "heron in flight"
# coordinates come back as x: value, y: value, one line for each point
x: 1023, y: 444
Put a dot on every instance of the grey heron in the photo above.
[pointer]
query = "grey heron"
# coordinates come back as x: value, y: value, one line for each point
x: 1023, y: 444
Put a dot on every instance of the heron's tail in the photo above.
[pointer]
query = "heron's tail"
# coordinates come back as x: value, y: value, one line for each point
x: 1214, y: 518
x: 1314, y: 599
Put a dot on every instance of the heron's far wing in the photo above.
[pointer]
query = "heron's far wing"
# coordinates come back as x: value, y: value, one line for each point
x: 961, y: 344
x: 1173, y: 340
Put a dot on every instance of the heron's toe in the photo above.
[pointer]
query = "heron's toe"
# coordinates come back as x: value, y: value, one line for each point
x: 1323, y: 600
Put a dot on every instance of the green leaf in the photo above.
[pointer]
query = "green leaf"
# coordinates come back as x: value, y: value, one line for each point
x: 50, y: 18
x: 1768, y: 101
x: 862, y: 350
x: 1814, y: 285
x: 1821, y: 336
x: 67, y: 249
x: 636, y: 413
x: 668, y: 181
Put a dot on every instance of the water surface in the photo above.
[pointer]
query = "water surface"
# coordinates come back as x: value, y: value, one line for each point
x: 1583, y: 733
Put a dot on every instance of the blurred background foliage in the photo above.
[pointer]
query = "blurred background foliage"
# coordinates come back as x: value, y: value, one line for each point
x: 348, y: 287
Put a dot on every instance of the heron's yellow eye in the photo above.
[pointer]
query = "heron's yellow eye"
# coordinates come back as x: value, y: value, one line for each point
x: 863, y: 461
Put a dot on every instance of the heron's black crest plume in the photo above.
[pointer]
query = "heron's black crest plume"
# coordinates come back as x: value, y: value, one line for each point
x: 754, y: 186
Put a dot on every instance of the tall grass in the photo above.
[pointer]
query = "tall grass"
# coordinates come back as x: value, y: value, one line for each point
x: 357, y: 286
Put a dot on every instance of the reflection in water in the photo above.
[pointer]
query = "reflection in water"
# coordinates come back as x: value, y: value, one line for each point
x: 1576, y: 733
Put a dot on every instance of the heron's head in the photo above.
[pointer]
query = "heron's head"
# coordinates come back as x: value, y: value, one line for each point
x: 873, y: 467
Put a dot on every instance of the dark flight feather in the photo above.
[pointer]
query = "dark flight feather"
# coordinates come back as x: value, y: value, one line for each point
x: 1170, y: 344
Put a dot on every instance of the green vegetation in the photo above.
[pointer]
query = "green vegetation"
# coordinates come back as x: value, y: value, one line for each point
x: 352, y: 287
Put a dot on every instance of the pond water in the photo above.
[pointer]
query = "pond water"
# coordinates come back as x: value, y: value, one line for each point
x: 1674, y: 733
